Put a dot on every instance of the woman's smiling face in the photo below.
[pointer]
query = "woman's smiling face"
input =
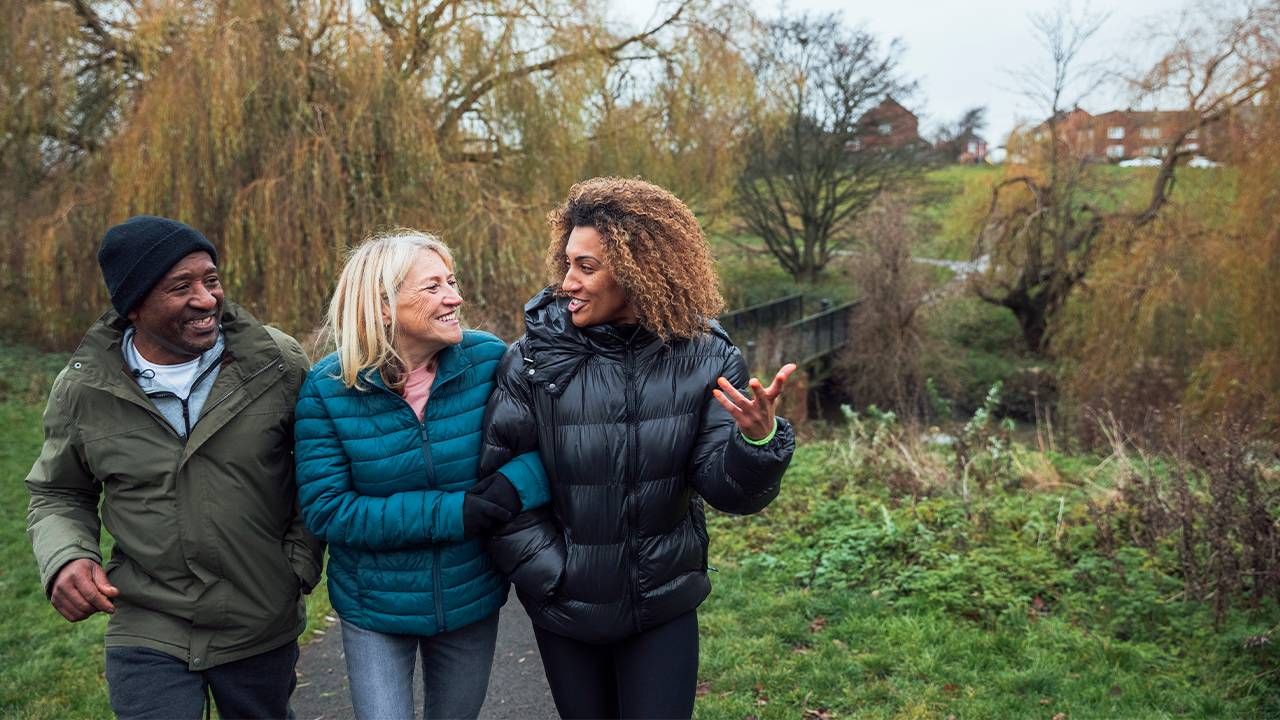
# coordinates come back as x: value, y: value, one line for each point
x: 427, y: 307
x: 595, y: 297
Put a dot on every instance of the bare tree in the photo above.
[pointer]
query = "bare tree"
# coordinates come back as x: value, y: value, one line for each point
x: 810, y: 171
x: 884, y: 367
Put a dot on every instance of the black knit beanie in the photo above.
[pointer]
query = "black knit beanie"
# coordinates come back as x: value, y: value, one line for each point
x: 135, y: 254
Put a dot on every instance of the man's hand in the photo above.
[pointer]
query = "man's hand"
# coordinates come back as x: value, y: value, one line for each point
x: 82, y: 589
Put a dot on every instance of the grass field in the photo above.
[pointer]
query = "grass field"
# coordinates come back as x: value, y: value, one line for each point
x: 842, y: 600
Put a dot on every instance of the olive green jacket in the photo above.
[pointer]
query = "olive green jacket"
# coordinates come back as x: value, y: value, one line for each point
x: 211, y: 556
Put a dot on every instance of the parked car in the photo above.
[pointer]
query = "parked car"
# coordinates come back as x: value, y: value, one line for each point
x: 1201, y: 161
x: 1145, y: 161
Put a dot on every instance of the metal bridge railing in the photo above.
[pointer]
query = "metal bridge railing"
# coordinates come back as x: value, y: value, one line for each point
x: 750, y: 321
x: 804, y: 340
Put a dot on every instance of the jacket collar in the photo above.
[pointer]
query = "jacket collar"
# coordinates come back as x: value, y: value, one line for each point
x: 450, y: 363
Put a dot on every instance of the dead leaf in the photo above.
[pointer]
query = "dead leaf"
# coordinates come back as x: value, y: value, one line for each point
x: 704, y: 687
x: 1115, y: 691
x: 818, y: 625
x: 817, y: 714
x: 801, y: 649
x: 1045, y: 701
x: 1059, y: 716
x: 950, y: 688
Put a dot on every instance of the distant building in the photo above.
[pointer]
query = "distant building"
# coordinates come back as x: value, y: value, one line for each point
x: 973, y: 149
x: 888, y: 125
x: 1119, y: 135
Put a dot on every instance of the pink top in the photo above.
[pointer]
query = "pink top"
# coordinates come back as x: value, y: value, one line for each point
x: 417, y: 387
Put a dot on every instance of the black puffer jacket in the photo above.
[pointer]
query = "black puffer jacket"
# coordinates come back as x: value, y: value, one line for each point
x: 631, y: 437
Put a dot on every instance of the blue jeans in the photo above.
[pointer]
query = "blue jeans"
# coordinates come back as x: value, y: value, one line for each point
x: 455, y: 671
x: 146, y: 684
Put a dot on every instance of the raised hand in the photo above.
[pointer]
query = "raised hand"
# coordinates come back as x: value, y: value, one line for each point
x: 82, y: 589
x: 754, y: 415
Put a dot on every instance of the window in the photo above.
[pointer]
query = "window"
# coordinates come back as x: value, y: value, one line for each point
x: 1115, y: 132
x: 1193, y: 134
x: 972, y: 148
x: 1191, y: 146
x: 885, y: 128
x: 1115, y: 151
x: 1153, y: 150
x: 1150, y: 133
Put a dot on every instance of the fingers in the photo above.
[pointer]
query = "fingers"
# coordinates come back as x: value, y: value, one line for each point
x: 68, y: 602
x: 82, y: 589
x: 87, y: 587
x: 104, y: 584
x: 775, y: 388
x: 734, y: 411
x: 732, y: 393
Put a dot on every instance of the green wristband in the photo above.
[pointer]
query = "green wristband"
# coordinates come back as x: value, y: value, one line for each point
x: 766, y: 439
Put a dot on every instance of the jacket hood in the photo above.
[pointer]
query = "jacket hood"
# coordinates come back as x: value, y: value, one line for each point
x: 555, y: 348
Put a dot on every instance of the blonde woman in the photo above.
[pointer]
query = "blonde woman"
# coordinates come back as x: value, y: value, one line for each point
x: 387, y: 441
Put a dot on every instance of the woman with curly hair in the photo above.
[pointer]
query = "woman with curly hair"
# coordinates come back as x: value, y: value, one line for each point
x: 634, y: 397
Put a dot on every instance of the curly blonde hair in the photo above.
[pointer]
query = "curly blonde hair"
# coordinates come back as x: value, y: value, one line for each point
x: 653, y: 245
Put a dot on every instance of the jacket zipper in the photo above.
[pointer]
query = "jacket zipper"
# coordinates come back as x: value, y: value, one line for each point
x: 186, y: 408
x: 438, y: 592
x: 633, y: 425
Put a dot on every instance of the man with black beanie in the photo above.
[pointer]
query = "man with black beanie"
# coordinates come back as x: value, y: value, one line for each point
x: 176, y: 411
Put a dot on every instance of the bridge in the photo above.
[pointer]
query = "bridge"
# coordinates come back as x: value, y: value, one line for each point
x: 777, y: 331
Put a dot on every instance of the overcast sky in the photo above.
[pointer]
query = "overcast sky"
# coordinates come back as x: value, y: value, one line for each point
x: 962, y: 51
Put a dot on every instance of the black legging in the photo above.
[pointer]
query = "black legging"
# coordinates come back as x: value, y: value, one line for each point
x: 652, y: 674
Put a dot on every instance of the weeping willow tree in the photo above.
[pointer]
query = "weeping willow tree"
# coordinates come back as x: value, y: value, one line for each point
x: 1179, y: 314
x: 289, y: 130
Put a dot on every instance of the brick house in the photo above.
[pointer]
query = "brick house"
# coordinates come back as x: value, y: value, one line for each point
x: 888, y: 125
x: 1117, y: 135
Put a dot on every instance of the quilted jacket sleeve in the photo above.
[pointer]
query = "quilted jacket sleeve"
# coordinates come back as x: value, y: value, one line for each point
x: 730, y: 473
x: 529, y: 549
x: 335, y: 512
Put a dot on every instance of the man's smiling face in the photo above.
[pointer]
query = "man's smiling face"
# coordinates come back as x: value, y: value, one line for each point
x: 178, y: 319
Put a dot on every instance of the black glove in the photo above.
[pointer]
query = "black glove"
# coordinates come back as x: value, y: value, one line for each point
x: 480, y: 517
x: 498, y: 490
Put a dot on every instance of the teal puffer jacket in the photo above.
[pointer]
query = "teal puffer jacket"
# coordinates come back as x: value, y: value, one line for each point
x: 385, y: 491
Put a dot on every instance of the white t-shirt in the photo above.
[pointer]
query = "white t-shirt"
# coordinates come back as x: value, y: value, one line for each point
x: 176, y: 379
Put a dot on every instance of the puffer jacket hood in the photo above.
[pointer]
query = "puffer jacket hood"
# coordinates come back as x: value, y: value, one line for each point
x: 632, y: 441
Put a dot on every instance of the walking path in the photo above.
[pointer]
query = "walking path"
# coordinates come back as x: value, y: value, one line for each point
x: 517, y: 687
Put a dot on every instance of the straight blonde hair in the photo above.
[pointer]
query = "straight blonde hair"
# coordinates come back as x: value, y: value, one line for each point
x: 369, y: 283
